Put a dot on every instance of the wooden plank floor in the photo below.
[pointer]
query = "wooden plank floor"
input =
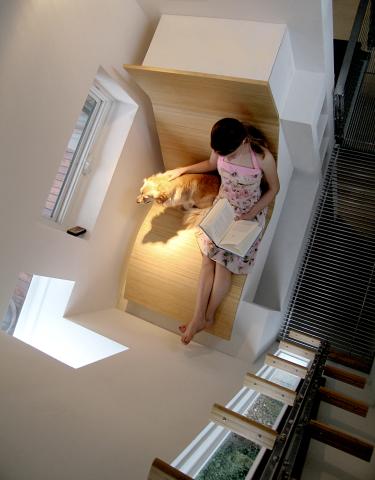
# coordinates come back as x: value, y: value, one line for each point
x: 164, y: 268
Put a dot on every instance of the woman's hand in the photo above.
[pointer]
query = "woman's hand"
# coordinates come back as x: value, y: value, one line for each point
x: 176, y: 172
x: 249, y: 215
x: 200, y: 167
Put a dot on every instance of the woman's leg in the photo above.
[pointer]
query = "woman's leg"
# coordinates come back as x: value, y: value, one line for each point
x: 221, y: 286
x: 205, y: 284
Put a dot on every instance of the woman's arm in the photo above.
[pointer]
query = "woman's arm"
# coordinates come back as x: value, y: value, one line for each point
x: 270, y: 173
x: 201, y: 167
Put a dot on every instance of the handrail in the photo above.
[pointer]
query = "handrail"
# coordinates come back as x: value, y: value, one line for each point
x: 339, y: 92
x: 344, y: 71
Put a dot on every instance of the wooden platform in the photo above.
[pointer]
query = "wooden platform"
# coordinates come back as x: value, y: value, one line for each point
x: 187, y: 104
x: 164, y: 266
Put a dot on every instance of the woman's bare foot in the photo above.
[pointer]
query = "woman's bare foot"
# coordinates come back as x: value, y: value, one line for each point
x: 193, y: 327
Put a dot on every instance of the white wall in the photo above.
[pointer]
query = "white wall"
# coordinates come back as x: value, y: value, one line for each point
x: 303, y: 18
x: 282, y: 73
x: 235, y: 48
x: 50, y: 53
x: 109, y: 419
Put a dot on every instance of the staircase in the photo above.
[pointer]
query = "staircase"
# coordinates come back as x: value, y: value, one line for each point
x: 282, y: 449
x: 334, y: 296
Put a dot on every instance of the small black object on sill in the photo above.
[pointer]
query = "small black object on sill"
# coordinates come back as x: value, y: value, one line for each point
x: 76, y: 231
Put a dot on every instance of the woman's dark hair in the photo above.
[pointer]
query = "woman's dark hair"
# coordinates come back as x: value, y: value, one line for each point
x: 228, y: 133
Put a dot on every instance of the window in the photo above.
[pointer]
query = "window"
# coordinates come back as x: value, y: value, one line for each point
x: 81, y: 183
x: 76, y: 160
x: 9, y: 322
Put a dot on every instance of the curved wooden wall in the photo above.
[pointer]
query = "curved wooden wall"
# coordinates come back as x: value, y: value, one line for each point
x: 165, y: 262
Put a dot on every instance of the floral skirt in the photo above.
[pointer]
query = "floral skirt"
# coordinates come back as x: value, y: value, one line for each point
x: 234, y: 263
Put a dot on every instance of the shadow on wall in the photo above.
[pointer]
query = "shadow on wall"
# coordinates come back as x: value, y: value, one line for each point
x: 10, y: 12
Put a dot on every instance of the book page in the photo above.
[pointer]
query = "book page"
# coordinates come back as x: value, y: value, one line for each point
x: 239, y: 231
x: 241, y: 237
x: 218, y: 220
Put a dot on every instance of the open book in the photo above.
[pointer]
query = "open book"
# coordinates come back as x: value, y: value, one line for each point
x: 227, y: 233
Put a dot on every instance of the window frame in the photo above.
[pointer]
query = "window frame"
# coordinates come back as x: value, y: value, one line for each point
x: 82, y: 157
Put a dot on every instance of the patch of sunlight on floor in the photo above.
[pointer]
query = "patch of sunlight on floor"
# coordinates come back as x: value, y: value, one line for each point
x: 39, y: 322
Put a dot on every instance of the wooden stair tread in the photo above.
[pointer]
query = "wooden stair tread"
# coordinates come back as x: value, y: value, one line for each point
x: 344, y: 376
x: 330, y: 435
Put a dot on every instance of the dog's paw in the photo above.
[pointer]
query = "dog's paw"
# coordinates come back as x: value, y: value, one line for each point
x: 187, y: 206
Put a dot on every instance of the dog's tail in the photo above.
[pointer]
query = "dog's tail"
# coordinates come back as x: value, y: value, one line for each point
x: 193, y: 217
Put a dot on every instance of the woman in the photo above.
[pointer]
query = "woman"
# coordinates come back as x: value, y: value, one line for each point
x: 241, y: 156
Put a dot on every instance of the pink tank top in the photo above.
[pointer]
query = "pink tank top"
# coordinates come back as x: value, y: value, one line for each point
x: 240, y: 169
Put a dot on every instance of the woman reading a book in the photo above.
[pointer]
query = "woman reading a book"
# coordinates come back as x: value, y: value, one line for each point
x: 240, y: 154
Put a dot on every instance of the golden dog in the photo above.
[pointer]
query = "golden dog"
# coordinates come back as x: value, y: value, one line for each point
x: 188, y: 191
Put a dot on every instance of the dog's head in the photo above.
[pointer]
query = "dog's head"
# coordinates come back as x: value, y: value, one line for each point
x: 153, y: 189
